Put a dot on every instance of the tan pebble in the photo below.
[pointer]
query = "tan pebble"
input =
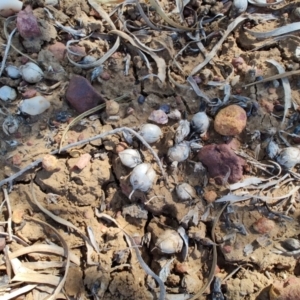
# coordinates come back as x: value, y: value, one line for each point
x: 237, y: 61
x: 272, y: 90
x: 16, y: 159
x: 50, y: 163
x: 263, y: 225
x: 227, y: 249
x: 206, y: 75
x: 117, y: 55
x: 112, y: 107
x: 217, y: 270
x: 34, y: 55
x: 170, y: 144
x: 105, y: 76
x: 273, y: 97
x: 129, y: 111
x: 83, y: 161
x: 137, y: 239
x: 121, y: 147
x: 205, y: 136
x: 267, y: 105
x: 230, y: 121
x: 88, y: 214
x: 17, y: 215
x: 181, y: 268
x: 234, y: 144
x: 235, y: 80
x: 210, y: 196
x: 252, y: 90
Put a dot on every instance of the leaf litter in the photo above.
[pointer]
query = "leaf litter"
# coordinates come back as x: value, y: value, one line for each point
x: 170, y: 79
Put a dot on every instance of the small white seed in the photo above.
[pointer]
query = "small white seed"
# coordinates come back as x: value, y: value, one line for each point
x: 239, y: 6
x: 182, y: 131
x: 179, y: 152
x: 31, y: 72
x: 185, y: 191
x: 174, y: 114
x: 10, y: 125
x: 7, y: 93
x: 34, y: 106
x: 142, y: 178
x: 289, y: 157
x: 200, y: 122
x: 151, y: 133
x: 12, y: 72
x: 130, y: 158
x: 169, y: 242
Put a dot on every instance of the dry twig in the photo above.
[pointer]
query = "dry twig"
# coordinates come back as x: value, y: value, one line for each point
x: 34, y: 164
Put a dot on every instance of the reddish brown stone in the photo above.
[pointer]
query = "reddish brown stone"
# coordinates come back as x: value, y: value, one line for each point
x: 231, y: 120
x: 79, y: 50
x: 105, y: 76
x: 264, y: 225
x: 16, y: 159
x: 285, y: 290
x: 58, y: 49
x: 27, y: 24
x: 81, y: 94
x: 181, y: 268
x: 219, y: 160
x: 267, y: 105
x: 29, y: 93
x: 227, y: 249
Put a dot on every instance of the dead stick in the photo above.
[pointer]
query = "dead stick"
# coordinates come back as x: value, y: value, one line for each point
x: 10, y: 179
x: 9, y: 228
x: 278, y: 76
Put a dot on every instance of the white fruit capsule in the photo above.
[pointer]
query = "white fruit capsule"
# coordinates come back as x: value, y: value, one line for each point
x: 151, y: 133
x: 272, y: 149
x: 200, y: 122
x: 10, y: 7
x: 7, y: 93
x: 10, y: 125
x: 12, y: 72
x: 179, y: 152
x: 182, y: 131
x: 34, y: 106
x: 289, y: 157
x: 130, y: 158
x: 238, y: 7
x: 174, y: 114
x: 264, y: 3
x: 31, y: 72
x: 169, y: 242
x: 142, y: 178
x: 185, y: 191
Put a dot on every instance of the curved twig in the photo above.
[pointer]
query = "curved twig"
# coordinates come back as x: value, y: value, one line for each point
x: 67, y: 254
x: 132, y: 244
x: 10, y: 179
